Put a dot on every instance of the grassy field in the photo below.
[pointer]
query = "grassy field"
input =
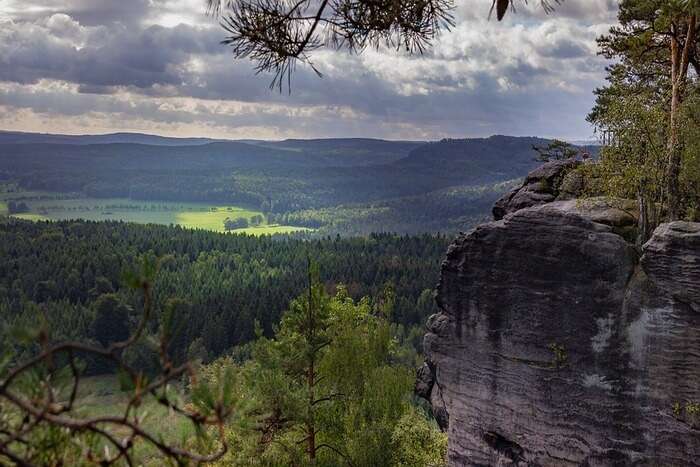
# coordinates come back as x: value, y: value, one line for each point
x: 100, y: 395
x: 47, y: 206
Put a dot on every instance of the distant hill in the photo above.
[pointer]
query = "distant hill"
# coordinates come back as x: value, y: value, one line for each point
x: 345, y: 185
x: 208, y: 157
x: 340, y: 152
x: 350, y: 148
x: 353, y: 151
x: 330, y: 145
x: 472, y: 160
x: 15, y: 137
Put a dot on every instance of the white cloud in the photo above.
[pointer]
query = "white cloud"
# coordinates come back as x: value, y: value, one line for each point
x: 157, y: 65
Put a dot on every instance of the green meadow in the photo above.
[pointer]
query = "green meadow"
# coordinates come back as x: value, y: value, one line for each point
x: 44, y: 206
x: 101, y: 395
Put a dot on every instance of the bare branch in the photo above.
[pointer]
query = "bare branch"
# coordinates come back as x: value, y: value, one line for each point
x: 276, y: 34
x: 44, y: 410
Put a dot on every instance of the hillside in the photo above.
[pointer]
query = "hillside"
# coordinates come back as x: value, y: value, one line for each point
x: 335, y: 185
x: 19, y: 137
x: 349, y: 151
x: 494, y: 158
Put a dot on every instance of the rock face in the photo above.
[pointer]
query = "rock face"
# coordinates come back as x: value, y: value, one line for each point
x: 542, y: 185
x: 555, y: 345
x: 672, y: 259
x: 619, y: 214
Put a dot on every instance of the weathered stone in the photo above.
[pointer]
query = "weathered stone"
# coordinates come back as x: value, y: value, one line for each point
x: 553, y: 347
x: 572, y: 186
x: 440, y: 413
x: 620, y: 214
x: 425, y: 378
x: 541, y: 186
x: 672, y: 260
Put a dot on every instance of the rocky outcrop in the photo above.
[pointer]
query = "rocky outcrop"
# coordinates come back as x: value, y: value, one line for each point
x: 542, y: 185
x: 555, y: 345
x: 621, y: 215
x: 672, y: 260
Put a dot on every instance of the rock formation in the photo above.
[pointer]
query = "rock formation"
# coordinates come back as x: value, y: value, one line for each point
x: 559, y: 343
x: 671, y: 258
x: 541, y: 186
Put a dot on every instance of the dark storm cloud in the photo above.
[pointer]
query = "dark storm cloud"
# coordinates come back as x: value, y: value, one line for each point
x: 87, y: 12
x: 566, y: 49
x: 100, y: 12
x: 113, y: 55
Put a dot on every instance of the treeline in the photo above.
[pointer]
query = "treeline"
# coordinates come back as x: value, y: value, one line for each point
x: 70, y: 274
x: 351, y: 189
x: 243, y: 222
x: 447, y: 210
x: 17, y: 207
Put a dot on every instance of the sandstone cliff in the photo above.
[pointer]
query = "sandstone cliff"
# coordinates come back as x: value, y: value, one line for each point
x: 559, y: 343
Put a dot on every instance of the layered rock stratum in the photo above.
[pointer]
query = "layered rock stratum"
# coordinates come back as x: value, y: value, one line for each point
x: 559, y: 343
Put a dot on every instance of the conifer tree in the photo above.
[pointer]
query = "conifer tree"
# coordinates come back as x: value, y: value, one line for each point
x: 655, y: 47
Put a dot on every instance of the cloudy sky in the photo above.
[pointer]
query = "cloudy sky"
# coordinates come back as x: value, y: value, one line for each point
x: 156, y: 66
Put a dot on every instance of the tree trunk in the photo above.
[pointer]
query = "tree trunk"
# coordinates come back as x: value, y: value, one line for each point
x: 679, y: 72
x: 673, y: 163
x: 643, y: 220
x: 649, y: 217
x: 310, y: 427
x: 311, y: 376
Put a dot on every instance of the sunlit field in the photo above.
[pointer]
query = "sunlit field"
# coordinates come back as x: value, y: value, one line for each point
x: 43, y: 206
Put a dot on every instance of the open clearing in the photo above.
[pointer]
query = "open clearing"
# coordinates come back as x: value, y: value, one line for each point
x: 52, y: 207
x: 101, y: 395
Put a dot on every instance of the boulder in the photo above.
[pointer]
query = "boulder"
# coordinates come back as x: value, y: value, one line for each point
x: 553, y: 347
x: 541, y: 186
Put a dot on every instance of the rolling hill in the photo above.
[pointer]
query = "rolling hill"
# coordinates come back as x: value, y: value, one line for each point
x: 18, y: 137
x: 418, y: 186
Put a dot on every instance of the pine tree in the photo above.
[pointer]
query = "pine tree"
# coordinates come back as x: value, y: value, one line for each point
x: 655, y: 45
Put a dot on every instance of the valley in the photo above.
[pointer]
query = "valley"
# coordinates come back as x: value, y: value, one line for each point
x: 321, y: 187
x: 49, y: 206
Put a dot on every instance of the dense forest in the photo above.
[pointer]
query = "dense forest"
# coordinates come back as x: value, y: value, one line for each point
x: 71, y: 273
x: 273, y: 339
x: 346, y: 186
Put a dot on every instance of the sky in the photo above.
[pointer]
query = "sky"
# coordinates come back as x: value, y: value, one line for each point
x: 157, y: 66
